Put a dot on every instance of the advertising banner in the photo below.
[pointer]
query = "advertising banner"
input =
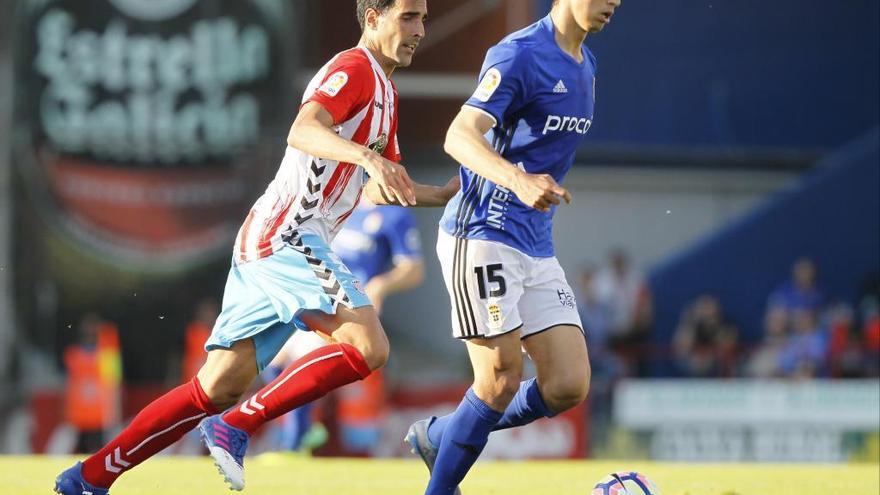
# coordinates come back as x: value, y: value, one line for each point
x: 142, y: 132
x: 751, y: 420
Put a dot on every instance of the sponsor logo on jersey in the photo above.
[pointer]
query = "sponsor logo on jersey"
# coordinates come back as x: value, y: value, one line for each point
x: 565, y: 123
x: 499, y: 201
x: 496, y: 211
x: 334, y: 84
x: 488, y: 85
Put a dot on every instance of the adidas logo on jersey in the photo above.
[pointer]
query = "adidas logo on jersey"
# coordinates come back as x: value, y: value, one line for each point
x: 560, y: 87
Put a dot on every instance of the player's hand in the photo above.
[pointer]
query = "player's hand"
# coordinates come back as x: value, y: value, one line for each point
x: 540, y: 191
x: 392, y: 179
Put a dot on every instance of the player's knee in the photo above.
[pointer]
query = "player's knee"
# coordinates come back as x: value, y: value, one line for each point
x: 222, y: 386
x: 377, y: 354
x: 564, y: 393
x: 222, y: 394
x: 374, y: 348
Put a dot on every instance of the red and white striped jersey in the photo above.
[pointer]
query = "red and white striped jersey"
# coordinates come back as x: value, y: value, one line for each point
x: 311, y: 194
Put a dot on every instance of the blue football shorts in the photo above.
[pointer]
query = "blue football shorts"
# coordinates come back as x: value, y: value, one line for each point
x: 263, y: 299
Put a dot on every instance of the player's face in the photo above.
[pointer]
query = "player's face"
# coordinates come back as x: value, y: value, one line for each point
x: 400, y: 30
x: 593, y: 15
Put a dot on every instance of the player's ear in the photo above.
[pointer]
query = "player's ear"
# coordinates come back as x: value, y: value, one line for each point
x: 371, y: 20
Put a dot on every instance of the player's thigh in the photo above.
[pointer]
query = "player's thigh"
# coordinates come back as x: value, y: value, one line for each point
x: 228, y: 372
x: 561, y: 358
x: 483, y: 280
x: 553, y: 335
x: 497, y: 365
x: 359, y: 327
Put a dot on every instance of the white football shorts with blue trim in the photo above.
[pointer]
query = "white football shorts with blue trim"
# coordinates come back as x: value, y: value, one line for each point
x: 263, y: 299
x: 496, y: 289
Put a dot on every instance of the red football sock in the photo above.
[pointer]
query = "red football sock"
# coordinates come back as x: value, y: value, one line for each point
x: 305, y: 380
x: 157, y: 426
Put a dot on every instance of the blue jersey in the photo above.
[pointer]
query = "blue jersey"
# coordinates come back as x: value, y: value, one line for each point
x: 542, y: 101
x: 375, y: 237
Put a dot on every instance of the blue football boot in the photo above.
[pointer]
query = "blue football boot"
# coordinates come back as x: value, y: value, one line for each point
x: 227, y: 445
x: 71, y: 482
x: 420, y: 444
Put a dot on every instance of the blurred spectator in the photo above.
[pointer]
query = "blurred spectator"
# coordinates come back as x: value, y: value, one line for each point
x: 846, y: 357
x: 705, y: 342
x: 197, y: 332
x: 764, y: 362
x: 595, y: 315
x: 94, y: 373
x: 805, y: 351
x: 606, y: 366
x: 624, y: 291
x: 802, y: 292
x: 869, y: 315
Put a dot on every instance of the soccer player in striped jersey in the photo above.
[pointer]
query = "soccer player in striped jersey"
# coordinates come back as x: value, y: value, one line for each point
x: 534, y: 104
x: 284, y: 274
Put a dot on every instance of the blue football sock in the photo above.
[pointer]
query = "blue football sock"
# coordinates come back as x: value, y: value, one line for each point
x: 527, y: 405
x: 437, y: 427
x: 296, y: 425
x: 464, y: 437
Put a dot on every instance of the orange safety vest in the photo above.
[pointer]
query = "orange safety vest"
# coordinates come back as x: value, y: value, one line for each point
x: 194, y: 354
x: 362, y: 403
x: 93, y: 382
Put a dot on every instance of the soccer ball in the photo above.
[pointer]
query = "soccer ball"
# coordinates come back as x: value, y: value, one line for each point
x: 625, y: 483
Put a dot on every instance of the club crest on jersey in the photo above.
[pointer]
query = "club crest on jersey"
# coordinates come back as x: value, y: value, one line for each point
x: 379, y: 144
x: 334, y: 84
x: 488, y: 85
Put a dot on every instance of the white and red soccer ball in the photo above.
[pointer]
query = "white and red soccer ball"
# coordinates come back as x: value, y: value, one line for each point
x: 625, y: 483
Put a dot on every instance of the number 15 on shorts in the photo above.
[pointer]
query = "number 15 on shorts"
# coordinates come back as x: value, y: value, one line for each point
x: 486, y: 277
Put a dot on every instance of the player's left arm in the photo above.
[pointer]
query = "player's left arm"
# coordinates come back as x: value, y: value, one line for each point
x: 425, y: 195
x: 408, y: 269
x: 405, y: 274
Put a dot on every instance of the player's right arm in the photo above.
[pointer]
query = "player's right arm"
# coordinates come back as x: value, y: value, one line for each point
x: 466, y: 144
x: 503, y: 88
x: 312, y: 133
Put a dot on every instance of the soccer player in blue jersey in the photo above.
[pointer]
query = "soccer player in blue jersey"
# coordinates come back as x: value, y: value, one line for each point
x: 382, y: 248
x: 516, y: 139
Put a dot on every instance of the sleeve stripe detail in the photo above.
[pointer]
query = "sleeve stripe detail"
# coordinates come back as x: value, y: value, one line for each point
x: 494, y: 120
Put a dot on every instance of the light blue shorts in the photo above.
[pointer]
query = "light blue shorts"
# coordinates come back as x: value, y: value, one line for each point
x: 263, y: 299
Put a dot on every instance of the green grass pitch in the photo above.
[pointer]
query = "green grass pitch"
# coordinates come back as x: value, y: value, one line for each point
x: 292, y: 475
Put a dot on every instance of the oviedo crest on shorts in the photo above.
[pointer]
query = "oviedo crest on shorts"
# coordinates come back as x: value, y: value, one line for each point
x: 488, y: 85
x: 495, y: 317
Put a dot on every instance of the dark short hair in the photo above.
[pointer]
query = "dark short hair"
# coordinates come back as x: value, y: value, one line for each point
x: 378, y: 5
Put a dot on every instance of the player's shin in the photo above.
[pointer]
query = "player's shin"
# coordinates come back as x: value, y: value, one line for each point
x: 161, y: 423
x: 306, y: 379
x: 527, y: 405
x: 465, y: 437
